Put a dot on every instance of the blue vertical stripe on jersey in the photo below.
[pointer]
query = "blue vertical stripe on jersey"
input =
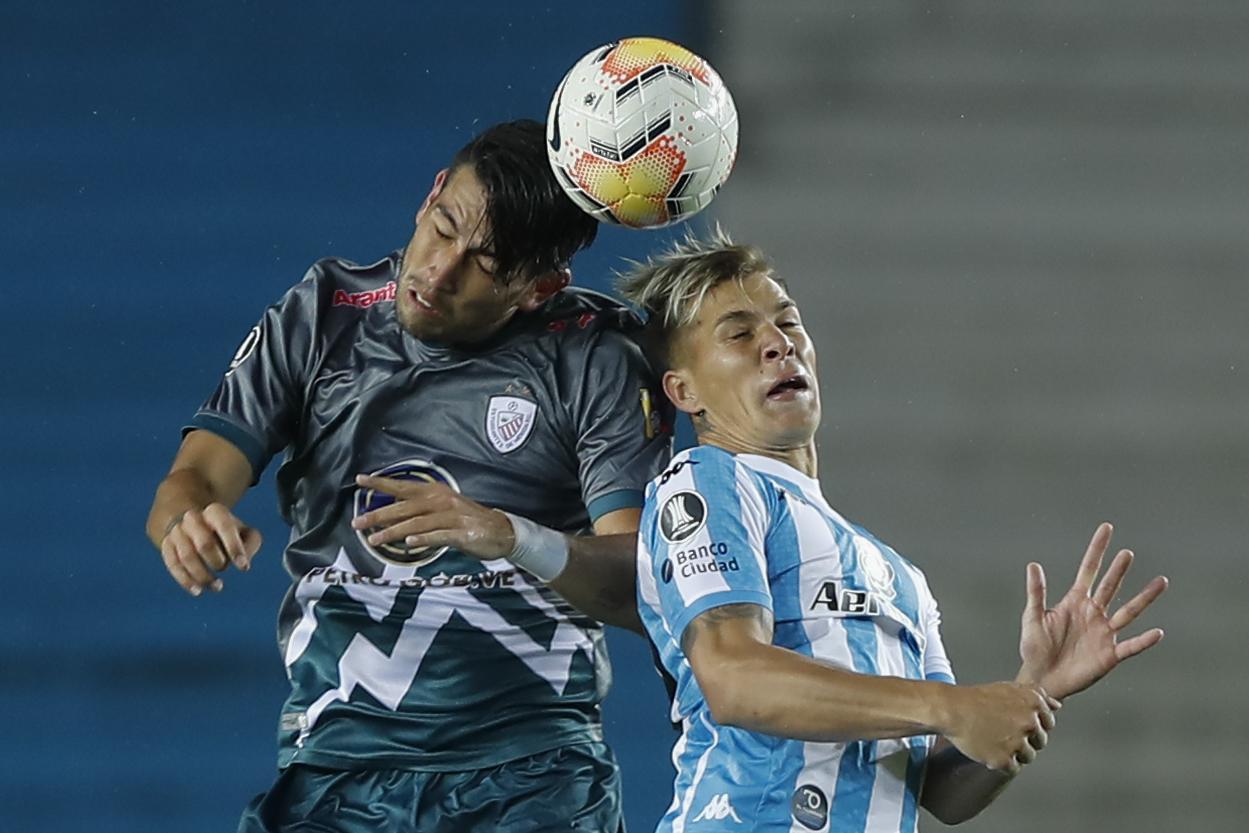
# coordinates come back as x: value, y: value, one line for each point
x: 856, y: 774
x: 916, y: 761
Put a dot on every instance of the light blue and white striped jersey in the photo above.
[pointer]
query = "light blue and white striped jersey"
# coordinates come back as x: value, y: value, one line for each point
x: 718, y: 529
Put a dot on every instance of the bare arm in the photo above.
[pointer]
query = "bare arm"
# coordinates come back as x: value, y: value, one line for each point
x: 730, y: 651
x: 190, y: 521
x: 601, y: 577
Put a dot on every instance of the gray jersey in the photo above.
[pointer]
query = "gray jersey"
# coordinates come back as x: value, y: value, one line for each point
x: 434, y: 659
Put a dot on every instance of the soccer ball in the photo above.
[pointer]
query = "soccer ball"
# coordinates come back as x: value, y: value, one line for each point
x: 642, y: 132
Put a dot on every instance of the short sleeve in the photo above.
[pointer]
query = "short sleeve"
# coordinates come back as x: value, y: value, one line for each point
x: 936, y: 664
x: 257, y: 403
x: 622, y: 436
x: 702, y: 538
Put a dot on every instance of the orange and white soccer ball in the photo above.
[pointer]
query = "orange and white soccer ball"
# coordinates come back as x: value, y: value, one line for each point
x: 642, y: 132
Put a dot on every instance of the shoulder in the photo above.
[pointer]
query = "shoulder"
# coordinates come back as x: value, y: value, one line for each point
x: 576, y: 319
x: 337, y: 282
x: 704, y: 469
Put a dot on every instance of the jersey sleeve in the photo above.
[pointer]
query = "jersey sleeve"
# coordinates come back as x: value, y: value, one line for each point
x: 257, y: 403
x: 615, y: 411
x: 702, y: 538
x: 936, y: 663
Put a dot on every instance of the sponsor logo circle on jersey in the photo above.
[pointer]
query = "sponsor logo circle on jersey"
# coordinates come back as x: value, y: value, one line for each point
x: 810, y: 807
x: 683, y: 514
x: 397, y: 552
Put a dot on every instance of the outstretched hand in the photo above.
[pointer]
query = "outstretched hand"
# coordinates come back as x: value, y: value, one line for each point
x: 1067, y: 648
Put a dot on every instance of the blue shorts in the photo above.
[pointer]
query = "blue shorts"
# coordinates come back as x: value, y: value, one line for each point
x: 573, y: 788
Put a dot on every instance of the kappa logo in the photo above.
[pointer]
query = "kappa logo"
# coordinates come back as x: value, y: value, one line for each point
x: 509, y: 421
x: 245, y: 349
x: 682, y: 516
x: 365, y: 299
x: 718, y: 809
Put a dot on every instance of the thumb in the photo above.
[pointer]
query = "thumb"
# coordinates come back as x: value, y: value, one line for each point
x: 1034, y: 608
x: 252, y: 540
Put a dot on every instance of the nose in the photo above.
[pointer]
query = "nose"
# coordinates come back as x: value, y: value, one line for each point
x: 776, y: 344
x: 442, y: 271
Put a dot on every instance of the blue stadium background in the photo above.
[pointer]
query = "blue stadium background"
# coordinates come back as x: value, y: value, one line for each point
x: 167, y: 170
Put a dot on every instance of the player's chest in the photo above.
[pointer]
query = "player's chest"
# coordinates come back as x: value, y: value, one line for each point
x: 500, y: 414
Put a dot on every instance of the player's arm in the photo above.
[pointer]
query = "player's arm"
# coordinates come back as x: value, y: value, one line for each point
x: 190, y: 521
x: 595, y: 573
x: 600, y: 577
x: 730, y: 651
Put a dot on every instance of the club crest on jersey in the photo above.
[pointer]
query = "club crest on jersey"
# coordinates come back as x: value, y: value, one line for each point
x: 683, y: 514
x: 509, y: 421
x: 397, y: 552
x: 876, y: 569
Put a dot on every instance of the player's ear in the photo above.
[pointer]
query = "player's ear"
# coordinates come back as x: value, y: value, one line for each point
x: 543, y: 287
x: 440, y: 179
x: 680, y: 392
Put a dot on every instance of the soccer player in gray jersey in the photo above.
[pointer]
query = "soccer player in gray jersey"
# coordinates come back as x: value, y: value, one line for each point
x: 455, y: 422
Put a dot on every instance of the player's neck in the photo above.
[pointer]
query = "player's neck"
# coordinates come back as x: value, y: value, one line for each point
x: 804, y: 458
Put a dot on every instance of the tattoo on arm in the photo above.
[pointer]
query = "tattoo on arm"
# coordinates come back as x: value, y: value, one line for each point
x: 710, y: 619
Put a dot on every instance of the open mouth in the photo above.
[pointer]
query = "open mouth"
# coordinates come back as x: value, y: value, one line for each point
x: 421, y: 304
x: 789, y: 387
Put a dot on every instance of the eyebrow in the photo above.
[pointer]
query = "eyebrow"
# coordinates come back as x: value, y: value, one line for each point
x: 743, y: 316
x: 483, y: 251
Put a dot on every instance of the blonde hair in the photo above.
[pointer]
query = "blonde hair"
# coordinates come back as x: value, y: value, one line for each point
x: 670, y: 287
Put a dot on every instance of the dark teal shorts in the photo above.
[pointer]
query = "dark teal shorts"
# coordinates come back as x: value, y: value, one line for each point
x: 574, y: 788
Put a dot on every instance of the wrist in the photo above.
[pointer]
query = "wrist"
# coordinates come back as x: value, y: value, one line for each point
x: 940, y: 702
x: 536, y: 549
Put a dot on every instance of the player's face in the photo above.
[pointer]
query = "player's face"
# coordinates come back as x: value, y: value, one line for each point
x: 747, y: 363
x: 447, y: 286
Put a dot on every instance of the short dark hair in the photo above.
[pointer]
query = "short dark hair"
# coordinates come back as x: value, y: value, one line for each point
x: 534, y: 226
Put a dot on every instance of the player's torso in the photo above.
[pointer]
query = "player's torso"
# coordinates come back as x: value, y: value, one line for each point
x: 431, y: 659
x: 844, y: 597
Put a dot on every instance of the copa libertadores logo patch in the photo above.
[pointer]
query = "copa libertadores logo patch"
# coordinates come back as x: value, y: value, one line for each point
x: 397, y: 552
x: 683, y: 514
x: 245, y: 349
x: 509, y: 421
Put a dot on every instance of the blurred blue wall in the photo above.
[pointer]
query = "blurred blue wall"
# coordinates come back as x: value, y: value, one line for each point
x: 166, y: 170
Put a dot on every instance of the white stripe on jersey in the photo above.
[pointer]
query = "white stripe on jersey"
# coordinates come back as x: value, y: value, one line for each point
x: 700, y: 769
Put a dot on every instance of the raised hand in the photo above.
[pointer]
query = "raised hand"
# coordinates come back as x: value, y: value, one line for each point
x: 434, y: 515
x: 1067, y: 648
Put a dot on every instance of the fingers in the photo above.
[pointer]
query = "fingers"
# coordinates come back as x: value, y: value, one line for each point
x: 1092, y: 561
x: 201, y: 544
x: 1132, y: 608
x: 169, y: 555
x: 1109, y: 586
x: 443, y: 524
x: 395, y: 487
x: 1034, y: 607
x: 1131, y: 647
x: 229, y: 534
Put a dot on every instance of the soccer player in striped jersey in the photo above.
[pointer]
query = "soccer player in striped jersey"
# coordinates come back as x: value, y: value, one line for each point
x: 812, y: 685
